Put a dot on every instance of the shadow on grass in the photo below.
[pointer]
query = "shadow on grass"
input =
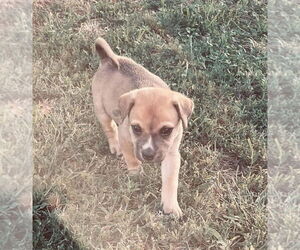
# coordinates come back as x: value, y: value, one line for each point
x: 48, y: 231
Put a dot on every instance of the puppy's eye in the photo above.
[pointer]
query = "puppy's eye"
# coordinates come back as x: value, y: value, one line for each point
x: 165, y: 131
x: 137, y: 130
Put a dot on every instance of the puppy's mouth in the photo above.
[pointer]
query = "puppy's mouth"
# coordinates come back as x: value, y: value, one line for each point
x: 156, y: 159
x: 152, y: 161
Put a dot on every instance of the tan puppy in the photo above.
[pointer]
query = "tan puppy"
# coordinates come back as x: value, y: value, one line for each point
x: 141, y: 117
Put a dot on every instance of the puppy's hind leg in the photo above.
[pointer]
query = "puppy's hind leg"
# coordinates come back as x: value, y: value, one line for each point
x: 110, y: 129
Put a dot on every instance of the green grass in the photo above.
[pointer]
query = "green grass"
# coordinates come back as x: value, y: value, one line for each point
x: 212, y: 51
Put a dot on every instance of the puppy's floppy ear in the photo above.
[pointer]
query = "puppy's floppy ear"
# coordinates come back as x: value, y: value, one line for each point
x: 184, y: 107
x: 126, y: 102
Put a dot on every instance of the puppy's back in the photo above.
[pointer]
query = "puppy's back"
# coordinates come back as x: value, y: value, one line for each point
x: 125, y: 66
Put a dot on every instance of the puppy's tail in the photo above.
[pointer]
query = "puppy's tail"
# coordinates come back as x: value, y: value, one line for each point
x: 105, y: 52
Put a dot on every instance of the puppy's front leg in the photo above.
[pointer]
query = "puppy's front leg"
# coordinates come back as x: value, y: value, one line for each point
x: 133, y: 164
x: 170, y: 171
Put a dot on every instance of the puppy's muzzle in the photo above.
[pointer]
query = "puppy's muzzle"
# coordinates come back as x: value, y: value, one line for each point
x: 148, y: 154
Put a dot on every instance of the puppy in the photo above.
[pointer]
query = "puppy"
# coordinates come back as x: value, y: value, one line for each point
x: 141, y: 117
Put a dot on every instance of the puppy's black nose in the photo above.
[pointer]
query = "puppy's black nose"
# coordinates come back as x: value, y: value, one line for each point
x: 148, y: 154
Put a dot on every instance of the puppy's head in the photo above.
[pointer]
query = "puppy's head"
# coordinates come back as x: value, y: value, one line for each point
x: 155, y: 117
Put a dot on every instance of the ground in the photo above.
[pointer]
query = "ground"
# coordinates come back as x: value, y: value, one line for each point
x: 212, y: 51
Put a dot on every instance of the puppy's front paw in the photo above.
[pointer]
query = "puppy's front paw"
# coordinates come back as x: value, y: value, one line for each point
x: 134, y: 171
x: 114, y: 147
x: 172, y: 208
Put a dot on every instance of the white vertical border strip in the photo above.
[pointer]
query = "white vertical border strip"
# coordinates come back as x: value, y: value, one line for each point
x: 284, y: 124
x: 15, y: 124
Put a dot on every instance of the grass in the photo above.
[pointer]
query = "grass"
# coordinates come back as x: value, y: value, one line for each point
x: 283, y: 126
x: 15, y: 125
x: 212, y: 51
